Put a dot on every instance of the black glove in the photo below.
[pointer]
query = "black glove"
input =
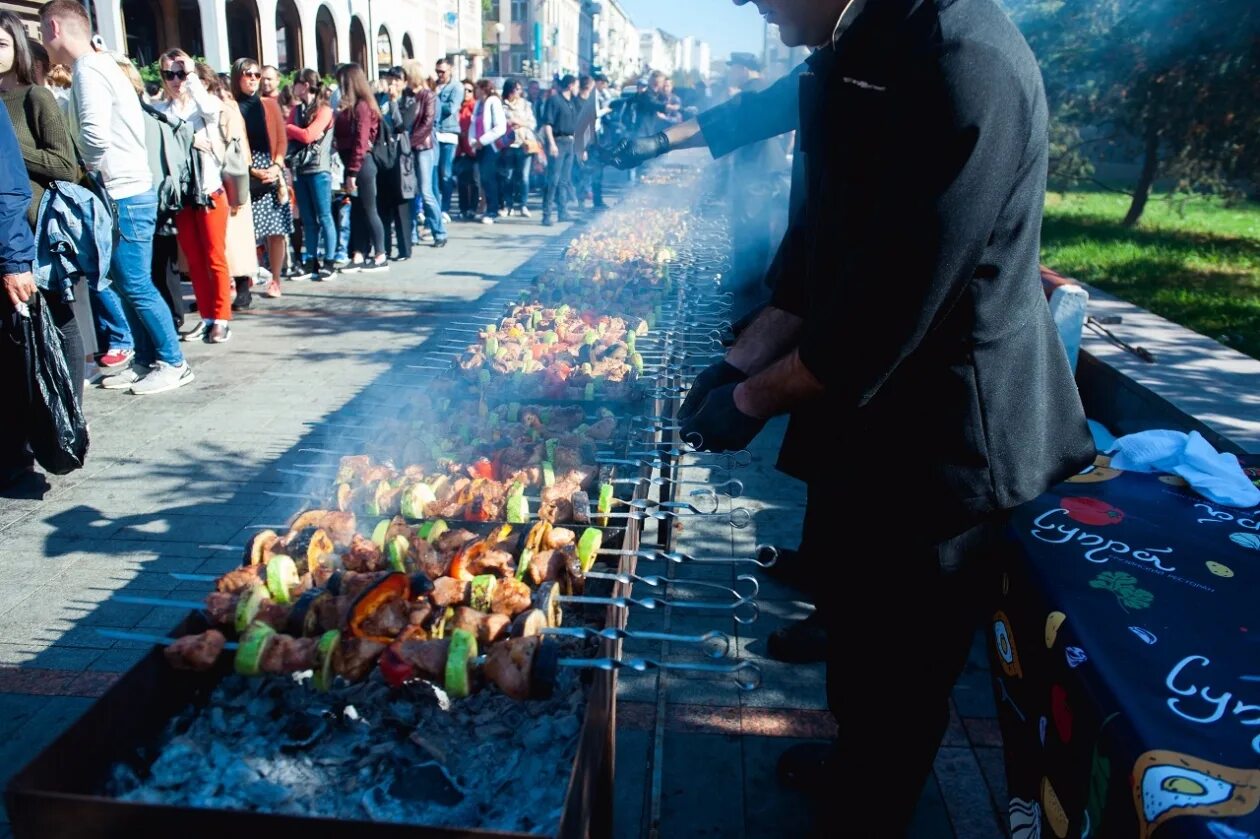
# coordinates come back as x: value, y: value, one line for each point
x: 710, y: 377
x: 722, y: 426
x: 631, y: 153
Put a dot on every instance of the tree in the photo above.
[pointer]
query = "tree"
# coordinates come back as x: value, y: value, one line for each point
x: 1181, y: 80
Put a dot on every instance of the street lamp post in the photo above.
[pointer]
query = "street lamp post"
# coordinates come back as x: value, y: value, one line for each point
x: 499, y: 28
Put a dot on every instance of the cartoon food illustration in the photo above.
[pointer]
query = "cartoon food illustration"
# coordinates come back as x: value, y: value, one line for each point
x: 1004, y: 641
x: 1054, y: 620
x: 1124, y: 587
x: 1100, y: 471
x: 1167, y: 785
x: 1075, y: 657
x: 1061, y: 713
x: 1093, y: 512
x: 1218, y: 569
x: 1245, y: 540
x: 1145, y: 634
x: 1025, y: 818
x: 1056, y: 816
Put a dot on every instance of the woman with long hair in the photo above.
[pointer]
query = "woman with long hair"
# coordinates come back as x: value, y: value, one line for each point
x: 420, y: 118
x: 489, y: 126
x: 465, y: 166
x: 264, y: 126
x: 355, y: 130
x: 310, y: 130
x: 240, y: 244
x: 201, y: 231
x: 516, y: 160
x: 49, y: 155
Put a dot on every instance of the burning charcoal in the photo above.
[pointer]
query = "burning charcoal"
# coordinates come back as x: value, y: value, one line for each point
x: 180, y: 761
x: 264, y: 794
x: 538, y: 734
x: 303, y: 732
x: 425, y: 782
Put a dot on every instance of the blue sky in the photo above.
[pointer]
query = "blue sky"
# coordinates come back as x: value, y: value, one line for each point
x: 725, y: 26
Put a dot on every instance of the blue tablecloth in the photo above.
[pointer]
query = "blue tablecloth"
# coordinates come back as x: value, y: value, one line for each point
x: 1126, y: 661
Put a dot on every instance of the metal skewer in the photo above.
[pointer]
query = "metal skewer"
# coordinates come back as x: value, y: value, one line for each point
x: 747, y: 674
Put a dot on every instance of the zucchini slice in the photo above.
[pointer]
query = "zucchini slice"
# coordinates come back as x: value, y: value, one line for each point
x: 249, y: 655
x: 247, y: 606
x: 459, y: 660
x: 324, y: 652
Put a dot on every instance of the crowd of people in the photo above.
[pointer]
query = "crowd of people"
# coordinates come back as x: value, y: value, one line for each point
x: 116, y: 191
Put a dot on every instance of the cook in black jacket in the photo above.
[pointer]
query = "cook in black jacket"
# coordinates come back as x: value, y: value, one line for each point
x: 911, y: 344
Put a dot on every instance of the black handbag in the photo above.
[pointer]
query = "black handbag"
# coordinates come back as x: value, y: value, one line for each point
x: 56, y: 429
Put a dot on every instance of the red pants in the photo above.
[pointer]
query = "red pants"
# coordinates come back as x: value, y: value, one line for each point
x: 202, y: 235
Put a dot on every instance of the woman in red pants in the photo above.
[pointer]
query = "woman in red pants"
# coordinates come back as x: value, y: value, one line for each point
x: 202, y: 230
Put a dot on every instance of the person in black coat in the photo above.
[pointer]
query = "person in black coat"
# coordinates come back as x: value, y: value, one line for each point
x: 911, y: 344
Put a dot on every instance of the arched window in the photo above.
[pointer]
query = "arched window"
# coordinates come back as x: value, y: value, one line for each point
x: 408, y: 50
x: 153, y: 26
x: 288, y: 37
x: 384, y: 49
x: 244, y: 40
x: 326, y: 58
x: 358, y: 44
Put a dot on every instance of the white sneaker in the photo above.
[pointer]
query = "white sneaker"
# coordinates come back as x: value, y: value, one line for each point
x: 487, y: 219
x: 446, y: 218
x: 126, y: 378
x: 526, y: 213
x: 163, y: 377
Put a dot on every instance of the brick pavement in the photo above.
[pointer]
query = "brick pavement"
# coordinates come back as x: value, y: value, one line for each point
x: 170, y: 474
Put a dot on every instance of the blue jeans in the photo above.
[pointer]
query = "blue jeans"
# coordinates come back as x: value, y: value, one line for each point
x: 314, y: 197
x: 113, y: 333
x: 426, y: 195
x: 343, y: 230
x: 559, y: 179
x: 446, y: 173
x: 131, y: 269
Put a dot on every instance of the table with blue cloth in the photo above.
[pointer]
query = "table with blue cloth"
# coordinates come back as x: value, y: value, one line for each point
x: 1126, y: 661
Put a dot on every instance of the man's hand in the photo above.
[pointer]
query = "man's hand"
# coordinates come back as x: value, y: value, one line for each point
x: 631, y: 153
x: 19, y: 287
x: 709, y: 378
x: 553, y: 150
x: 350, y: 187
x: 720, y: 426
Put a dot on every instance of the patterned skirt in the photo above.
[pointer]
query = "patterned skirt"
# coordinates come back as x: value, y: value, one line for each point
x: 271, y: 217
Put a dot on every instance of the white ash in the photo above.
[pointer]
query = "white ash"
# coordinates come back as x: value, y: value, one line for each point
x: 366, y: 752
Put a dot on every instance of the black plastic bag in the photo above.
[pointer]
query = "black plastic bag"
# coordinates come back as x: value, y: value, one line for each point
x: 55, y: 427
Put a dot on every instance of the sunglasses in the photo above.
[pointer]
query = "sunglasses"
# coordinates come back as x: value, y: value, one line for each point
x: 252, y: 74
x: 172, y: 75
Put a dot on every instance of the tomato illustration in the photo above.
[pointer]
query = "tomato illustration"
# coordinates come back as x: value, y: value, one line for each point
x: 1092, y: 511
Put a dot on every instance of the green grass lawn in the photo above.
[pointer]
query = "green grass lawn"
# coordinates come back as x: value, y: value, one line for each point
x: 1197, y: 264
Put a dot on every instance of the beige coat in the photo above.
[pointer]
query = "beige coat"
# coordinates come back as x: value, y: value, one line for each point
x: 242, y: 249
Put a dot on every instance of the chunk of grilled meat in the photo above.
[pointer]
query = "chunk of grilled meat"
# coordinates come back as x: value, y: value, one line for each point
x: 195, y: 652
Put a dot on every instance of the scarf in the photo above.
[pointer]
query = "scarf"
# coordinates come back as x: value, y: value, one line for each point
x: 255, y: 123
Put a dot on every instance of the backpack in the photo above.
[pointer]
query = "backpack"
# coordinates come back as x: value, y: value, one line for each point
x: 176, y: 169
x: 395, y: 166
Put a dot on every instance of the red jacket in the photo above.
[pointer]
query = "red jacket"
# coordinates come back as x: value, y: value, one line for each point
x: 465, y: 125
x: 354, y: 134
x: 425, y: 109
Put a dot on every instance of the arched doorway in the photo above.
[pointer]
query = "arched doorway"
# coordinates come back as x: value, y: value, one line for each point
x: 244, y: 40
x: 153, y: 26
x: 358, y: 44
x: 408, y: 50
x: 325, y: 42
x: 384, y: 49
x: 288, y: 37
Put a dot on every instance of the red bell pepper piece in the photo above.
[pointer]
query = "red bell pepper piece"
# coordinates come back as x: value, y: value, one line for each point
x: 395, y: 586
x: 396, y: 669
x: 482, y: 468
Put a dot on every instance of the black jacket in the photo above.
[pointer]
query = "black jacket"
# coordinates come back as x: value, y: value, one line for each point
x: 915, y: 265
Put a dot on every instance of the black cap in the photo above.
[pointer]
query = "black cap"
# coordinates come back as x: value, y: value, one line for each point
x: 746, y: 59
x: 392, y: 73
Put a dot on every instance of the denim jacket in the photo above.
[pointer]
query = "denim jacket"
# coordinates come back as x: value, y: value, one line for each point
x: 450, y: 98
x: 75, y: 237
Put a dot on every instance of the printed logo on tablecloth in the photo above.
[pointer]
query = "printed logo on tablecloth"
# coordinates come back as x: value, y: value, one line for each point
x: 1004, y: 640
x: 1198, y: 701
x: 1169, y: 785
x: 1025, y: 818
